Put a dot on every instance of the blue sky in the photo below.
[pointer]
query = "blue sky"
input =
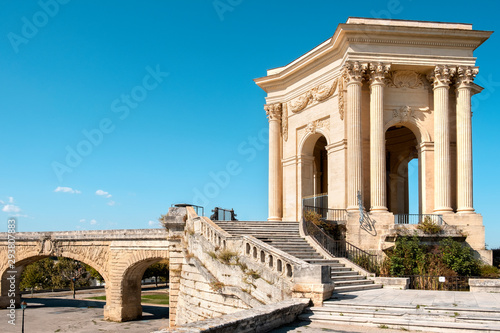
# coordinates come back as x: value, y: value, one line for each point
x: 195, y: 129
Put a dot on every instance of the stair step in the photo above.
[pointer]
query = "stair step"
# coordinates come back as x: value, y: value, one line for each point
x: 354, y: 282
x: 343, y: 289
x: 347, y: 277
x: 401, y: 322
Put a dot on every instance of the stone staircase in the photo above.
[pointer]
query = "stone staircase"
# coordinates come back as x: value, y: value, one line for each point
x: 286, y: 237
x: 404, y: 317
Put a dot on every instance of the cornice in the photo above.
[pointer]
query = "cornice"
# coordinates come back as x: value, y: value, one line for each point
x: 394, y: 35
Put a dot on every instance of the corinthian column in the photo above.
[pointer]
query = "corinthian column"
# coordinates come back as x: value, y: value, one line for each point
x: 273, y: 112
x: 465, y: 78
x: 377, y: 138
x: 354, y: 72
x: 442, y: 178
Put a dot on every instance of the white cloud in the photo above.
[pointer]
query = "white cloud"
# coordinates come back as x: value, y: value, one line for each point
x: 11, y: 209
x: 66, y: 190
x: 92, y: 222
x: 11, y: 200
x: 82, y: 221
x: 103, y: 193
x: 111, y: 203
x: 153, y: 223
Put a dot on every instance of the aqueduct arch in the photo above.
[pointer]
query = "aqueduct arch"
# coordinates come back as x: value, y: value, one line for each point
x: 120, y: 256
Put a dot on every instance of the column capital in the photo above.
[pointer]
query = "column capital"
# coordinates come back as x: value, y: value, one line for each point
x: 273, y: 111
x: 354, y: 72
x: 441, y: 76
x: 377, y: 72
x: 465, y: 76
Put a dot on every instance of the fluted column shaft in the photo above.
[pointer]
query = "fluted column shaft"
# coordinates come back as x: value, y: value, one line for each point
x: 273, y: 112
x: 464, y: 139
x: 354, y: 72
x: 378, y: 189
x: 442, y: 174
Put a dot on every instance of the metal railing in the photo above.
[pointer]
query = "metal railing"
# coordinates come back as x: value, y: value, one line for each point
x: 342, y: 248
x: 418, y: 218
x: 221, y: 214
x: 318, y: 200
x: 196, y: 208
x: 329, y: 214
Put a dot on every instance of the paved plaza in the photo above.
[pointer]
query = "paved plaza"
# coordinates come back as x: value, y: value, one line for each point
x: 63, y: 314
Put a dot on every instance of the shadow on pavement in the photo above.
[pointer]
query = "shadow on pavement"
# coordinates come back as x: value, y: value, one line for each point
x: 149, y: 312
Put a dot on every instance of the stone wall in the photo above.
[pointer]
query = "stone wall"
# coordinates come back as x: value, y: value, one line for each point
x: 260, y: 319
x: 252, y: 273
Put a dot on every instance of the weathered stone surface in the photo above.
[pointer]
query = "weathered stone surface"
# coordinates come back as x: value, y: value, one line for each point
x: 392, y: 282
x: 485, y: 285
x: 260, y: 319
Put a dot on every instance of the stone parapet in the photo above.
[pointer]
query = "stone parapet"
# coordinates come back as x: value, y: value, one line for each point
x: 485, y: 285
x: 259, y: 319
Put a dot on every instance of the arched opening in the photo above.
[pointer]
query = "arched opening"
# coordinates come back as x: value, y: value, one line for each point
x: 314, y: 171
x: 42, y: 272
x: 320, y: 167
x: 131, y: 307
x: 403, y: 171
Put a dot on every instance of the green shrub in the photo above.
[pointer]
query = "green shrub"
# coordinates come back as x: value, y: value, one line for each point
x: 489, y: 271
x: 459, y: 257
x: 429, y: 227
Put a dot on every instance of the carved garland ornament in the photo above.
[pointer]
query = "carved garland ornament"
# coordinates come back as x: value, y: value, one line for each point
x: 284, y: 122
x: 316, y: 94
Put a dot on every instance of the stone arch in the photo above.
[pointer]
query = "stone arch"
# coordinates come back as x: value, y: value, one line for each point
x: 307, y: 142
x: 28, y: 254
x: 126, y: 283
x: 413, y: 125
x: 313, y: 168
x: 402, y: 146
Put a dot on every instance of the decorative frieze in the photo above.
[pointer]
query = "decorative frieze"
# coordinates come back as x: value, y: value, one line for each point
x: 405, y: 79
x: 317, y: 94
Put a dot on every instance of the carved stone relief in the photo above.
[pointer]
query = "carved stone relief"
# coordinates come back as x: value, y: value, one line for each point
x: 405, y: 79
x: 316, y: 94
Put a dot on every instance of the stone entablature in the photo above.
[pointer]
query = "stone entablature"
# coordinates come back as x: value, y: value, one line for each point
x: 357, y: 108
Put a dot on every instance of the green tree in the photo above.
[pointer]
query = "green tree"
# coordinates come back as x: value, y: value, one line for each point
x: 158, y: 271
x: 38, y: 275
x: 93, y: 273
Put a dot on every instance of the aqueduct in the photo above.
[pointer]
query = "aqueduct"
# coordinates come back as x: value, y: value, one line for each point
x: 120, y: 256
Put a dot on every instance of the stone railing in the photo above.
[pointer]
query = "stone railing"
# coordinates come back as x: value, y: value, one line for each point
x: 295, y: 275
x: 272, y: 259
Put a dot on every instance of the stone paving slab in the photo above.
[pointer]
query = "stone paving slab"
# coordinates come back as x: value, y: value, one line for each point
x: 451, y: 299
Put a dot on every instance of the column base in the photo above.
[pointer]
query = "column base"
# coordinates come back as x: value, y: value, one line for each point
x: 443, y: 210
x: 466, y: 211
x: 380, y: 209
x: 274, y: 218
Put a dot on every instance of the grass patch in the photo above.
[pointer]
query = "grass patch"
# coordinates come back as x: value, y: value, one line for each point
x: 102, y: 298
x: 155, y: 299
